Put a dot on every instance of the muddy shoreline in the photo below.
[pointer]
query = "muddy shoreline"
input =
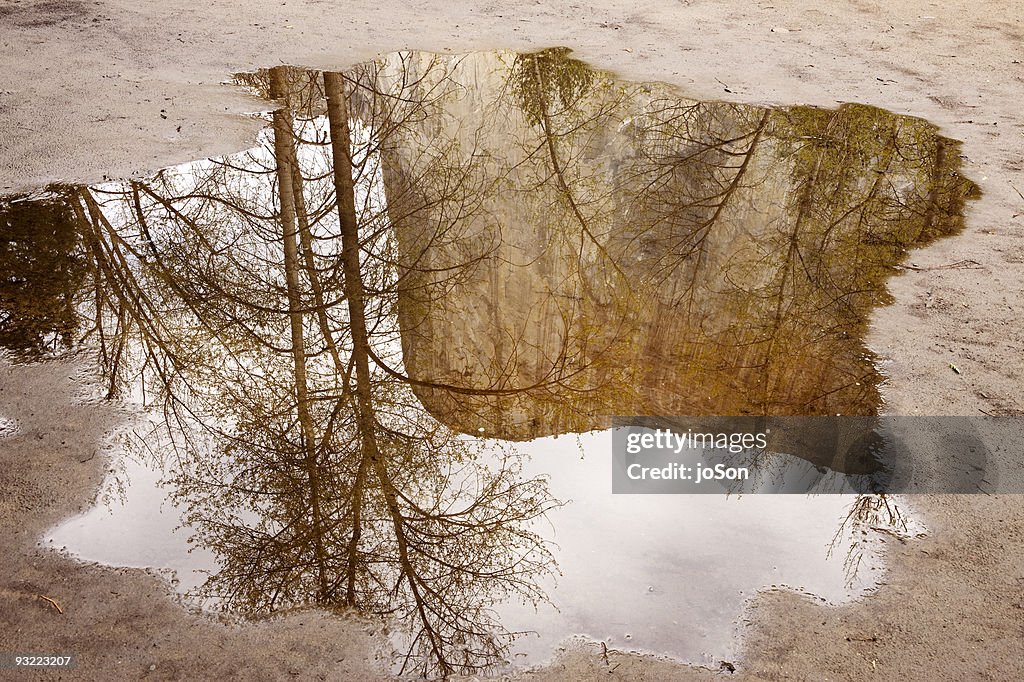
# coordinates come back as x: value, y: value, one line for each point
x: 94, y: 91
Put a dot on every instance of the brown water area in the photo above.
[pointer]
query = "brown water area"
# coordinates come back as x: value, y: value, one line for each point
x: 646, y: 254
x: 425, y: 248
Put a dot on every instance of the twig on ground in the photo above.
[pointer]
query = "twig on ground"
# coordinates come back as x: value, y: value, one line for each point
x: 51, y: 602
x: 958, y: 265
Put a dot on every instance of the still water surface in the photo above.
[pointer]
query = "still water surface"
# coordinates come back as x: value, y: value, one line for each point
x: 356, y: 343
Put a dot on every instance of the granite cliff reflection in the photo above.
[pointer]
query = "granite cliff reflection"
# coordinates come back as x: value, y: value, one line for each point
x: 421, y: 246
x: 693, y: 257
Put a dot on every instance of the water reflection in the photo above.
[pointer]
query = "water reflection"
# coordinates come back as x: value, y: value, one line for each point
x: 508, y: 244
x: 667, y: 256
x: 43, y: 269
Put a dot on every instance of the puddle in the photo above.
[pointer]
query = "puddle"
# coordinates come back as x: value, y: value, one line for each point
x: 355, y: 379
x: 663, y: 574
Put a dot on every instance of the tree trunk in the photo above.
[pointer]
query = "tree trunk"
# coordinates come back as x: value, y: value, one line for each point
x: 284, y: 153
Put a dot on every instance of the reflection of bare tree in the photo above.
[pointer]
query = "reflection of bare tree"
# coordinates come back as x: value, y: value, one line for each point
x: 875, y: 513
x: 257, y: 294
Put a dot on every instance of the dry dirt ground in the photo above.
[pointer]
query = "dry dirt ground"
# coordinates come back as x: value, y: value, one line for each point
x: 116, y: 88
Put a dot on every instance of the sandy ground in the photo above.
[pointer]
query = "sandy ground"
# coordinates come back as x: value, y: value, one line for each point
x: 109, y: 89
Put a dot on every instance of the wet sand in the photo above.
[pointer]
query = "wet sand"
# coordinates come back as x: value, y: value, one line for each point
x: 118, y: 89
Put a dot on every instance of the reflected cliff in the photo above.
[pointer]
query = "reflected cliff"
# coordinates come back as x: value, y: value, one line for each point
x: 426, y: 247
x: 654, y: 255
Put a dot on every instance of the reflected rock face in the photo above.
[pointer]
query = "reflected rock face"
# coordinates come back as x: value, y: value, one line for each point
x: 635, y: 252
